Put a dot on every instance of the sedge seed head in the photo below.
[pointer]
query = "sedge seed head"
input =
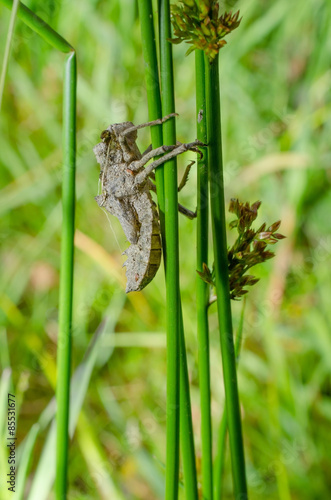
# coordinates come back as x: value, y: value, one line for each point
x: 197, y: 22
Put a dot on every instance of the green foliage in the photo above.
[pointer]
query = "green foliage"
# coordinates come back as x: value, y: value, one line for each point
x: 277, y: 81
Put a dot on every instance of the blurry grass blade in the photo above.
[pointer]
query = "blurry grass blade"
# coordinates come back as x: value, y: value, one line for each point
x: 273, y: 163
x: 97, y: 461
x: 25, y: 188
x: 262, y: 27
x: 4, y: 390
x: 151, y: 340
x: 44, y: 476
x: 147, y: 464
x: 82, y: 376
x: 107, y: 262
x: 14, y: 280
x: 101, y: 256
x: 45, y: 472
x: 40, y: 27
x: 25, y: 461
x: 5, y: 384
x: 7, y: 49
x: 4, y: 351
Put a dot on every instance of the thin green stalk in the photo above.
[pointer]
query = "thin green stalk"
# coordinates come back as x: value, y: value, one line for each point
x: 155, y: 111
x: 220, y: 457
x: 40, y: 27
x: 25, y: 461
x: 186, y: 425
x: 153, y: 92
x: 66, y: 275
x: 202, y: 286
x: 172, y: 253
x: 67, y: 240
x: 7, y: 48
x: 222, y: 278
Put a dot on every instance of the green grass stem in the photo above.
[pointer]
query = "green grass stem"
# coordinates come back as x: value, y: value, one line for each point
x: 25, y: 461
x: 66, y: 275
x: 7, y: 48
x: 172, y: 255
x: 222, y: 278
x: 202, y: 286
x: 186, y: 425
x: 153, y: 92
x: 67, y: 239
x: 155, y: 111
x: 222, y: 432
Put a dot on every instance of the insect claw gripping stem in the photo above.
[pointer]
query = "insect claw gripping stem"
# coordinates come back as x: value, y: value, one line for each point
x: 159, y: 121
x: 185, y: 211
x: 191, y: 146
x: 152, y: 154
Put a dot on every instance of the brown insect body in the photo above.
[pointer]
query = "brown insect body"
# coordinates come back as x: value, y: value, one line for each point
x: 130, y: 202
x: 126, y: 194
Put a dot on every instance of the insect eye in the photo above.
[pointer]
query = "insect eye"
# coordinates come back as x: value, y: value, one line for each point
x: 105, y: 136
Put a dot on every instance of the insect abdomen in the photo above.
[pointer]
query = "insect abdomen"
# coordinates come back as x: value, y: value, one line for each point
x: 144, y: 257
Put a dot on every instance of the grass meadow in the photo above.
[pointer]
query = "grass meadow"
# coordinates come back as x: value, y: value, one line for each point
x: 275, y: 93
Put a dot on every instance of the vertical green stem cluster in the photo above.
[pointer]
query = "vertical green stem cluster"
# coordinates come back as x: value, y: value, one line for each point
x: 156, y: 111
x: 202, y: 286
x: 222, y: 278
x: 67, y: 240
x: 66, y: 274
x: 172, y: 253
x: 153, y: 92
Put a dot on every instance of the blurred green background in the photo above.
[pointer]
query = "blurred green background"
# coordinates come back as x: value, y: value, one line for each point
x: 275, y: 79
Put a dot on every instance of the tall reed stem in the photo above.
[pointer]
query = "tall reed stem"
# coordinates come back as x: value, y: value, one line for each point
x: 202, y: 286
x: 66, y: 275
x: 155, y: 111
x: 172, y: 256
x: 222, y: 432
x: 67, y: 239
x: 222, y: 278
x: 186, y: 425
x: 153, y: 93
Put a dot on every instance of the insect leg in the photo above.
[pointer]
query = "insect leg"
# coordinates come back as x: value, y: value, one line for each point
x: 159, y: 121
x: 185, y: 176
x: 135, y: 165
x: 185, y: 211
x: 150, y: 147
x: 141, y: 177
x: 152, y: 187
